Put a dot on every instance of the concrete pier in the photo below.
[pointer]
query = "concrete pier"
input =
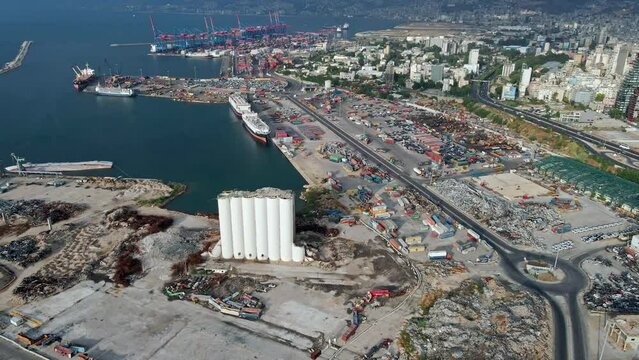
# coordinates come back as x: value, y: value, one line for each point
x: 17, y: 62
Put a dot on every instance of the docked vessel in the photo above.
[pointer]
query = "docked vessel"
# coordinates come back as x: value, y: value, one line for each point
x: 346, y: 26
x: 239, y: 105
x: 59, y: 167
x: 82, y: 77
x: 113, y: 91
x: 255, y: 126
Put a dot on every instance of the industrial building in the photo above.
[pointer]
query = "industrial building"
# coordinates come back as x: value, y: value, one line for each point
x: 624, y: 332
x: 258, y: 225
x: 592, y: 181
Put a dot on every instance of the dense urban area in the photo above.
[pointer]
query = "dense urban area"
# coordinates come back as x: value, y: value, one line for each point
x: 472, y: 192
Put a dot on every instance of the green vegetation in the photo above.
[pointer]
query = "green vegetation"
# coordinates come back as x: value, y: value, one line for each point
x: 459, y: 91
x: 425, y: 85
x: 406, y: 343
x: 616, y: 113
x: 177, y: 189
x: 600, y: 97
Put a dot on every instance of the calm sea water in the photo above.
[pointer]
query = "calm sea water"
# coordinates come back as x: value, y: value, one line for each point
x: 203, y: 146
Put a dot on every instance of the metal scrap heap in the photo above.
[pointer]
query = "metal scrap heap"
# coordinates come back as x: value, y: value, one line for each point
x: 513, y: 221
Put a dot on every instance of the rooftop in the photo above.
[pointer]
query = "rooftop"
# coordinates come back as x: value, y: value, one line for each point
x: 266, y: 192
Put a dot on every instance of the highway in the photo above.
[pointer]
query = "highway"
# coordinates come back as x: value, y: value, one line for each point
x: 512, y: 258
x: 480, y: 93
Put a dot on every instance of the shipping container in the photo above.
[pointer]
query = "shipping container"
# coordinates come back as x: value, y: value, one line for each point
x: 471, y: 234
x: 438, y: 255
x: 416, y: 248
x: 349, y: 332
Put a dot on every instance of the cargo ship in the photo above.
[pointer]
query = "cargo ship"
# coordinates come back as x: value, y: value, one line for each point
x: 59, y: 167
x: 239, y: 105
x: 82, y: 77
x: 113, y: 91
x: 255, y: 126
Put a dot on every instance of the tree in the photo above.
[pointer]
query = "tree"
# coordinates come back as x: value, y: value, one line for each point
x: 600, y: 97
x: 616, y: 113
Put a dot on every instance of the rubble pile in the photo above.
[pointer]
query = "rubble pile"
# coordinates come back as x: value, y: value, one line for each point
x: 515, y: 223
x: 173, y: 245
x: 37, y: 212
x: 329, y: 253
x: 481, y: 319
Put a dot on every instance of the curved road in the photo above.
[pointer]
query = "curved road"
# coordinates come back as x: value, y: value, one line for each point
x: 481, y: 94
x: 569, y: 289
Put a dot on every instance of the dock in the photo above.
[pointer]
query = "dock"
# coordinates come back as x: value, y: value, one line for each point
x: 17, y: 62
x: 226, y: 68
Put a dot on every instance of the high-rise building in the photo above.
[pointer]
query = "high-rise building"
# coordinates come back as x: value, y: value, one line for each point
x: 630, y: 83
x: 508, y: 69
x: 389, y: 73
x: 509, y: 92
x: 258, y: 225
x: 437, y: 73
x: 526, y: 76
x: 473, y: 57
x: 603, y: 36
x: 621, y: 59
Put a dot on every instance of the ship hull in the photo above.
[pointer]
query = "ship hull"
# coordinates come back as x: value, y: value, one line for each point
x: 237, y: 113
x: 114, y: 95
x: 263, y: 139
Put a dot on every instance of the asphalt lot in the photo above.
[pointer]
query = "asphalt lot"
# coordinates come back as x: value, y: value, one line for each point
x: 10, y: 351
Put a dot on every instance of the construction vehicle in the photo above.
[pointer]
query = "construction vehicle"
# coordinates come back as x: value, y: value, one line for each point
x: 373, y: 294
x: 315, y: 353
x: 30, y: 321
x: 64, y: 351
x: 384, y: 344
x: 28, y: 341
x: 174, y: 295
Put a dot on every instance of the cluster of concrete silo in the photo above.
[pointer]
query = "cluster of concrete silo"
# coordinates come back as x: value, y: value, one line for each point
x: 258, y: 225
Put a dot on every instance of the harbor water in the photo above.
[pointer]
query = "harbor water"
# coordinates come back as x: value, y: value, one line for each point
x: 201, y: 145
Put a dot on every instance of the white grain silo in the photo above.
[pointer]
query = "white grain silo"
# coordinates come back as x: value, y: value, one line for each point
x: 273, y: 216
x: 258, y: 225
x: 226, y: 235
x: 298, y: 253
x: 261, y: 229
x: 237, y: 227
x: 248, y: 219
x: 287, y: 228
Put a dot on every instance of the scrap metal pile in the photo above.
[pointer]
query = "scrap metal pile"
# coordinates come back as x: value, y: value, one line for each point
x: 340, y: 153
x: 481, y: 319
x: 216, y: 289
x: 36, y: 212
x: 514, y: 222
x: 617, y: 294
x: 24, y: 251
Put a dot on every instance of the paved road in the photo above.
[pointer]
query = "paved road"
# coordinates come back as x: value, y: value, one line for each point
x: 9, y: 351
x: 512, y: 257
x: 480, y: 93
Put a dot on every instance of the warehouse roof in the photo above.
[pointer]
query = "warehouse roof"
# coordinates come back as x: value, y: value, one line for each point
x: 586, y: 177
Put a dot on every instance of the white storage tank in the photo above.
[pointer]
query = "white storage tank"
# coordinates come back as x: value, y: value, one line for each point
x: 248, y: 219
x: 237, y: 227
x: 261, y: 229
x: 273, y: 216
x: 287, y: 228
x: 226, y: 236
